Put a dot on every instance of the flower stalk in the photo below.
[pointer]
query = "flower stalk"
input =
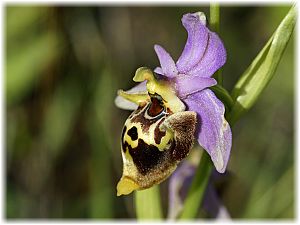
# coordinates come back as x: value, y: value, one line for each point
x: 214, y: 11
x: 148, y: 205
x: 198, y: 187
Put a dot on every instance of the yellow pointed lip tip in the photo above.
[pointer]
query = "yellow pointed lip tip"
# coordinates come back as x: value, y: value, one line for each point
x: 126, y: 186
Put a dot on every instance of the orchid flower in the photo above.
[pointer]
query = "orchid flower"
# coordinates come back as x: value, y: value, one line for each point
x: 173, y: 89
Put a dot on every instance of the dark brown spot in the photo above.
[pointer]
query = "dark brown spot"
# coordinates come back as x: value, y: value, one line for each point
x: 133, y: 133
x: 158, y: 134
x: 146, y: 157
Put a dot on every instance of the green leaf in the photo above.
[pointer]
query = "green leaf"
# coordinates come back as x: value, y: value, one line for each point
x: 259, y: 201
x: 260, y: 72
x: 148, y: 205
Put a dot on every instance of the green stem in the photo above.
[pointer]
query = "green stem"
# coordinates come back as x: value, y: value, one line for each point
x: 214, y: 19
x: 196, y: 192
x: 148, y: 205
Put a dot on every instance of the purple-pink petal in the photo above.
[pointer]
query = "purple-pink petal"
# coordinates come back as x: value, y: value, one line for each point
x: 186, y: 85
x: 213, y: 58
x: 196, y: 42
x: 204, y: 52
x: 213, y: 131
x: 167, y: 63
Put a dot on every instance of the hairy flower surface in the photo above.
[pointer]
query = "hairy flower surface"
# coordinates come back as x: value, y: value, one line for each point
x: 173, y: 96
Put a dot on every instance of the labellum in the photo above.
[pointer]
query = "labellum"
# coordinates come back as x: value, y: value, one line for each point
x: 156, y: 136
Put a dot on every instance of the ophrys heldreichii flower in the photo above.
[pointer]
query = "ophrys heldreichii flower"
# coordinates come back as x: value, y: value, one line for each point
x: 171, y: 107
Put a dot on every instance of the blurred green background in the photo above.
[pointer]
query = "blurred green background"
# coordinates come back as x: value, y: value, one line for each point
x: 62, y: 71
